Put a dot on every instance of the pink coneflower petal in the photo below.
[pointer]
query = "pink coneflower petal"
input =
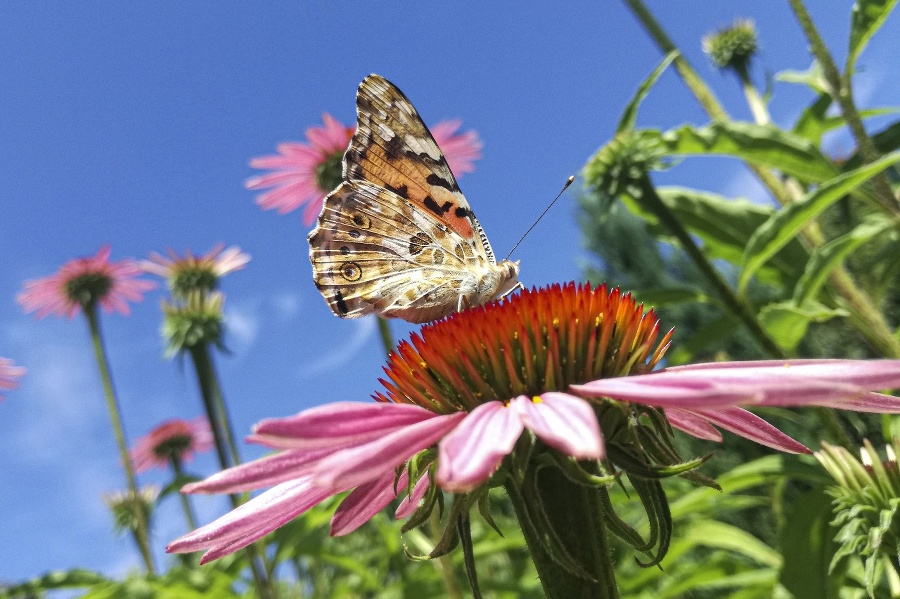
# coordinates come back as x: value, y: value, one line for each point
x: 565, y: 422
x: 471, y: 453
x: 693, y: 425
x: 351, y: 467
x: 9, y: 374
x: 460, y: 149
x: 365, y: 501
x: 265, y: 472
x: 339, y: 422
x: 253, y: 520
x: 110, y: 284
x: 409, y: 504
x: 750, y: 426
x: 768, y: 383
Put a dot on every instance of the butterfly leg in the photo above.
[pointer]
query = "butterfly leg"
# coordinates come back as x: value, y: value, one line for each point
x: 518, y: 285
x: 462, y: 303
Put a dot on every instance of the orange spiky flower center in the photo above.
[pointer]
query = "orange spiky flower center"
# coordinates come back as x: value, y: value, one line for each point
x: 539, y: 340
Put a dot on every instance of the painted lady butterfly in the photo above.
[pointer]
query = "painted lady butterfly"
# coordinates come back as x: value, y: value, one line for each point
x: 397, y: 238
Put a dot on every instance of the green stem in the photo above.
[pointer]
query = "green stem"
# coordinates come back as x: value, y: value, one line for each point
x: 387, y: 339
x: 210, y: 391
x: 185, y: 500
x: 757, y: 107
x: 444, y: 563
x: 573, y: 514
x: 841, y: 90
x: 115, y: 416
x: 733, y: 303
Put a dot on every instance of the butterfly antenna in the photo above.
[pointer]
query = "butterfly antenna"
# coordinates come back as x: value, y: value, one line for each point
x: 569, y: 181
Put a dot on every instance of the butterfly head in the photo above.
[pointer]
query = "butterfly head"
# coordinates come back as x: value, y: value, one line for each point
x: 507, y: 273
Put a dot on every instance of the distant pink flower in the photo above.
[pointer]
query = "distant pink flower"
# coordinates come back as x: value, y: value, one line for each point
x: 192, y: 273
x: 304, y: 173
x: 454, y: 391
x: 9, y: 374
x: 177, y: 439
x: 86, y: 281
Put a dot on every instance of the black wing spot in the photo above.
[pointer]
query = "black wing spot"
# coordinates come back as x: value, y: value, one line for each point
x: 394, y: 148
x: 345, y: 250
x: 354, y: 234
x: 438, y: 181
x: 402, y: 191
x: 361, y: 221
x: 341, y: 304
x: 417, y: 243
x: 434, y: 207
x: 462, y: 212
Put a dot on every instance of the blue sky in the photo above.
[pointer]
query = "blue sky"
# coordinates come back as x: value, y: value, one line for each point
x: 131, y: 124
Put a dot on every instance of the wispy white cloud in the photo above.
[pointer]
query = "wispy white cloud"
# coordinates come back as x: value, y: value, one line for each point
x: 345, y: 351
x: 243, y: 324
x: 286, y: 305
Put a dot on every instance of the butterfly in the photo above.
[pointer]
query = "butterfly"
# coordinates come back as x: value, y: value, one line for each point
x: 397, y: 238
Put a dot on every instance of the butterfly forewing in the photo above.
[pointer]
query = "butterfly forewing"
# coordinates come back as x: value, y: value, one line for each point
x: 397, y: 238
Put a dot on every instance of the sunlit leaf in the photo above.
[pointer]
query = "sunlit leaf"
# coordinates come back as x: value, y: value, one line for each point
x: 629, y: 115
x: 866, y: 18
x: 787, y: 322
x: 784, y: 225
x: 827, y: 256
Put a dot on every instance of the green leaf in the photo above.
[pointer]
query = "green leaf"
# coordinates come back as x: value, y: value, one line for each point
x: 787, y: 322
x: 766, y: 145
x: 666, y: 296
x: 812, y: 77
x: 807, y: 538
x: 865, y: 19
x: 629, y: 116
x: 784, y: 225
x: 811, y: 124
x: 826, y: 257
x: 61, y: 579
x: 885, y: 141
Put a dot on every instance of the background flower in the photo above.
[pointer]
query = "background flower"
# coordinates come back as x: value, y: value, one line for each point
x: 304, y: 173
x: 83, y: 281
x: 173, y: 439
x: 9, y: 374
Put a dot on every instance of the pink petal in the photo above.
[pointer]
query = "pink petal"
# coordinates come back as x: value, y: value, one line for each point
x: 358, y: 465
x: 252, y: 520
x: 411, y: 503
x: 693, y: 425
x: 365, y: 501
x: 750, y: 426
x: 266, y: 471
x: 340, y: 422
x: 565, y: 422
x: 471, y: 453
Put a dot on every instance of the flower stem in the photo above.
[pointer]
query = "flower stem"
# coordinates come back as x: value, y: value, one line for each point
x: 115, y: 416
x: 185, y: 500
x: 216, y: 412
x: 735, y: 304
x: 387, y: 339
x: 841, y: 90
x: 573, y: 514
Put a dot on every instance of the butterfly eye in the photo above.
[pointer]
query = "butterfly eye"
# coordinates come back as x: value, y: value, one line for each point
x: 351, y: 271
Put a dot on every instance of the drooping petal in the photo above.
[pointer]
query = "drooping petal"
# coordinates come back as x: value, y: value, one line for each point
x: 340, y: 422
x: 365, y: 501
x: 750, y: 426
x: 410, y: 503
x: 693, y: 425
x: 358, y: 465
x: 266, y: 471
x: 565, y: 422
x: 252, y: 520
x: 468, y: 455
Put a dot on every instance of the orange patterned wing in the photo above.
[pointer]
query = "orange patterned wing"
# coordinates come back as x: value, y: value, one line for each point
x: 393, y: 149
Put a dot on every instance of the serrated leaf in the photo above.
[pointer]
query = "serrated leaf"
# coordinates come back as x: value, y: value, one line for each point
x: 784, y: 225
x: 812, y: 77
x: 629, y: 115
x: 766, y: 145
x: 787, y: 322
x: 865, y: 19
x: 827, y: 256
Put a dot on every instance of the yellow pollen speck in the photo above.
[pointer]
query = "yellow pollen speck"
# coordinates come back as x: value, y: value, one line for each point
x: 536, y: 399
x: 556, y: 323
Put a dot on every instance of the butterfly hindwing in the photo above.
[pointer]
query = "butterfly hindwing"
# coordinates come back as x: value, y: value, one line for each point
x: 373, y: 251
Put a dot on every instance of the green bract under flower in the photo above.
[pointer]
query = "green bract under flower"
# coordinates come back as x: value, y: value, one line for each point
x: 89, y: 288
x: 329, y: 171
x: 622, y: 164
x: 130, y: 510
x: 538, y: 341
x: 194, y: 322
